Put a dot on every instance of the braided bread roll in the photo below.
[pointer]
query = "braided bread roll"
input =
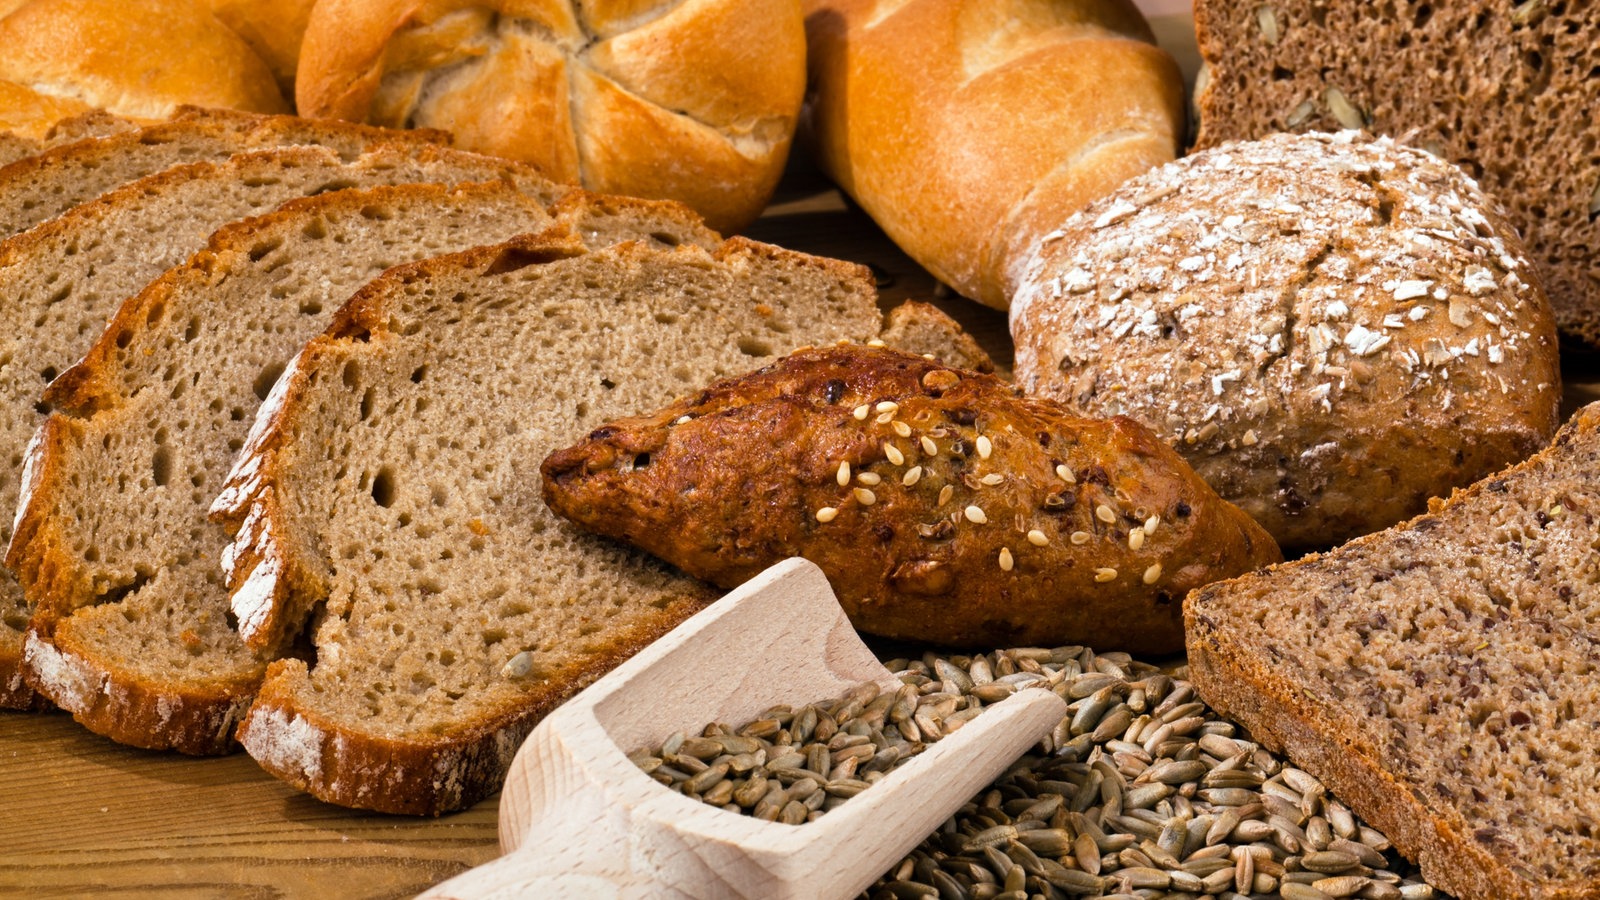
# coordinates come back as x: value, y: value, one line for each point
x: 690, y: 100
x: 971, y: 130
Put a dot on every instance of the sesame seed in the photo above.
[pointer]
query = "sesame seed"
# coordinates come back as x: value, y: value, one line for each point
x: 975, y: 515
x: 865, y: 497
x: 1080, y: 537
x: 992, y: 479
x: 945, y: 493
x: 1209, y: 431
x: 1006, y: 561
x: 1152, y: 573
x: 902, y: 429
x: 682, y: 419
x: 1102, y: 512
x: 1152, y: 523
x: 861, y: 412
x: 870, y: 479
x: 928, y: 446
x: 984, y: 447
x: 912, y: 476
x: 1037, y: 538
x: 1065, y: 474
x: 884, y: 418
x: 1136, y: 539
x: 876, y: 343
x: 1249, y: 439
x: 1102, y: 576
x: 518, y: 666
x: 843, y: 475
x: 827, y: 513
x: 887, y: 406
x: 893, y: 455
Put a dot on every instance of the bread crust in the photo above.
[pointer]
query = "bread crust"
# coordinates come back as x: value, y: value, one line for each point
x: 694, y: 101
x: 989, y: 546
x: 970, y: 130
x: 1238, y: 678
x: 101, y: 52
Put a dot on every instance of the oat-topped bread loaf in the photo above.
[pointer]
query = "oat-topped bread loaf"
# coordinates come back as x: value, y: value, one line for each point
x: 1331, y: 329
x: 65, y: 278
x: 388, y: 495
x: 689, y: 100
x: 945, y: 507
x: 114, y: 521
x: 40, y: 188
x: 1502, y: 89
x: 1440, y: 677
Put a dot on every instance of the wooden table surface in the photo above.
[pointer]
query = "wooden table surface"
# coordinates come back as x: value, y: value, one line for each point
x: 80, y: 814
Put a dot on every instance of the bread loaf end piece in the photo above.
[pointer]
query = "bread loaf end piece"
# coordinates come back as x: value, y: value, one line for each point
x: 969, y: 130
x: 1492, y: 89
x: 1440, y: 676
x: 400, y: 458
x: 1330, y: 328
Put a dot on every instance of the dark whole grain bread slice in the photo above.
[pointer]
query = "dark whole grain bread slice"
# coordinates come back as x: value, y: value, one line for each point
x: 389, y: 496
x: 1505, y: 90
x: 122, y: 476
x: 1442, y: 677
x: 66, y: 277
x: 47, y: 184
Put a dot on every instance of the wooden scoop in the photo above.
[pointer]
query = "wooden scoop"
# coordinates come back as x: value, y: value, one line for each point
x: 578, y: 819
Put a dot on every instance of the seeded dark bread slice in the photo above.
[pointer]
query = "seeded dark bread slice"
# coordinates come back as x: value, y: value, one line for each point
x: 389, y: 492
x: 123, y: 475
x: 1442, y: 677
x: 1504, y: 90
x: 43, y: 186
x: 65, y: 278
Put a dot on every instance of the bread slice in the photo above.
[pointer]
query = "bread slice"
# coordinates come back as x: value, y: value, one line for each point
x: 15, y: 145
x: 389, y: 495
x: 44, y: 186
x: 65, y: 278
x: 1492, y: 88
x: 120, y: 480
x: 1441, y: 677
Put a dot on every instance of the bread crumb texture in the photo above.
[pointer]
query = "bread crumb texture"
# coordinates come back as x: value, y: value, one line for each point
x: 1330, y: 328
x: 1441, y: 676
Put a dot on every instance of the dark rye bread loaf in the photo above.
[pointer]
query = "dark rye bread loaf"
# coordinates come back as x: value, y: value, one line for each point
x: 1442, y: 677
x: 43, y: 186
x: 112, y: 530
x: 388, y: 496
x: 1506, y: 90
x: 66, y: 277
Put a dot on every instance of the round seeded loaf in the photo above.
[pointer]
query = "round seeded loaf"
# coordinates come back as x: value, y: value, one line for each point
x: 1332, y: 329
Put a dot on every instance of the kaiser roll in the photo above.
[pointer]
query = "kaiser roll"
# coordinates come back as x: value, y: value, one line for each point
x: 694, y: 100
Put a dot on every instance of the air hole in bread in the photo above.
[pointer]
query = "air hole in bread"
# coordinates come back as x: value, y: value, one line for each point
x: 262, y: 249
x: 418, y: 374
x: 337, y: 184
x: 161, y: 466
x: 383, y: 491
x: 192, y: 331
x: 662, y: 237
x: 124, y: 338
x: 266, y: 378
x: 155, y: 313
x: 48, y: 374
x: 310, y: 308
x: 751, y: 346
x: 377, y: 213
x: 59, y: 296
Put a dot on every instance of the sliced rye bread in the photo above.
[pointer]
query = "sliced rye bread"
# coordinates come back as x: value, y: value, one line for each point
x: 65, y: 278
x: 389, y: 496
x: 43, y: 186
x: 120, y: 480
x: 1441, y: 677
x: 93, y: 124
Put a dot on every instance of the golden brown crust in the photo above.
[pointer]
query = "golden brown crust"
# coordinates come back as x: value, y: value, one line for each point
x: 140, y: 58
x: 273, y: 29
x: 969, y: 130
x: 810, y: 457
x: 27, y: 113
x: 696, y: 101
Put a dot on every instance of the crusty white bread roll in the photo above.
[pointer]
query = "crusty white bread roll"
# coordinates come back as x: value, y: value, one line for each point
x: 272, y: 28
x: 969, y: 130
x: 26, y: 112
x: 690, y: 100
x: 138, y: 58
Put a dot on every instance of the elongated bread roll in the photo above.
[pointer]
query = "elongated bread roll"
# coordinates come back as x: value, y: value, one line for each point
x: 969, y: 130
